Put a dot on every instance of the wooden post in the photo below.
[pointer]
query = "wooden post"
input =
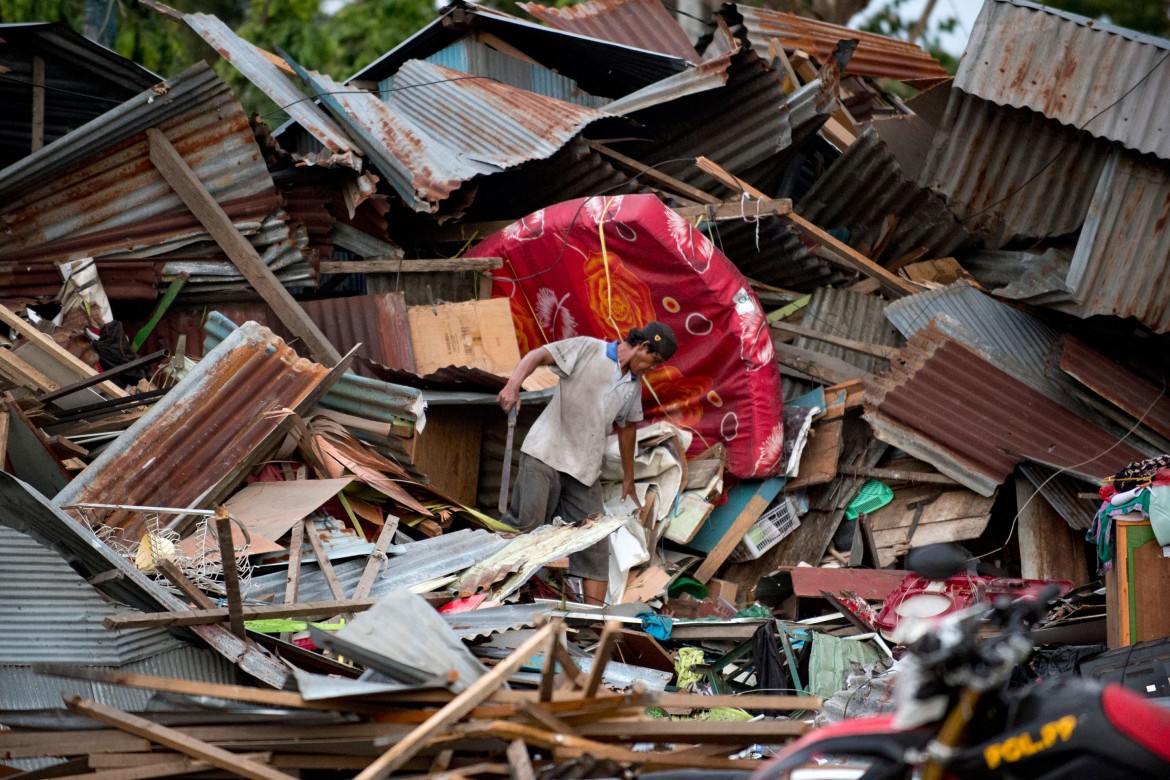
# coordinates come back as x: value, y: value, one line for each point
x: 190, y: 189
x: 1049, y: 549
x: 457, y: 708
x: 176, y: 740
x: 231, y: 576
x: 38, y: 104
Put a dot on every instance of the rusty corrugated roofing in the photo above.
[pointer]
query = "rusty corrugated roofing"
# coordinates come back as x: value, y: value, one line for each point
x: 1001, y: 185
x: 644, y: 24
x: 942, y: 403
x: 1122, y: 259
x: 377, y: 322
x: 876, y: 55
x: 1080, y: 71
x: 1130, y: 393
x: 449, y: 128
x: 199, y: 434
x: 864, y: 186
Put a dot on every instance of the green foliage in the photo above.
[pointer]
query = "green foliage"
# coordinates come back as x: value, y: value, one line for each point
x: 1142, y: 15
x: 888, y: 20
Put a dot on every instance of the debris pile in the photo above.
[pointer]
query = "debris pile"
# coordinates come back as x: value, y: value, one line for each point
x: 248, y: 384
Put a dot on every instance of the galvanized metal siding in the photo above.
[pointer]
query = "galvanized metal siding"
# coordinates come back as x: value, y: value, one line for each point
x: 864, y: 186
x: 999, y: 167
x: 50, y: 614
x: 1122, y: 261
x: 1083, y: 73
x: 876, y: 55
x: 645, y: 24
x: 851, y: 315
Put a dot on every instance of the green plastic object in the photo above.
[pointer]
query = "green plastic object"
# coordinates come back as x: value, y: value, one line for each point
x: 872, y: 497
x: 689, y: 586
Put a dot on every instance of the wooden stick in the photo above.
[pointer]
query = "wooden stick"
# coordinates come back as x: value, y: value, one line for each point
x: 292, y: 581
x: 323, y: 561
x: 877, y: 350
x: 197, y: 617
x: 898, y: 475
x: 653, y: 174
x: 243, y: 255
x: 519, y: 763
x: 18, y: 371
x: 180, y: 581
x: 543, y: 717
x: 474, y: 694
x: 380, y: 266
x: 168, y: 767
x: 176, y: 740
x: 376, y: 560
x: 609, y: 636
x: 548, y: 674
x: 231, y: 575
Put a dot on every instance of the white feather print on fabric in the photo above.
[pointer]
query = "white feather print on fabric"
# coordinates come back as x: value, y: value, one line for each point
x: 692, y: 245
x: 555, y: 320
x: 526, y: 229
x: 771, y: 451
x: 755, y: 347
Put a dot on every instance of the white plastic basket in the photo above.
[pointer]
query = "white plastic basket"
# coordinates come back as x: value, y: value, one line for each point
x: 778, y: 521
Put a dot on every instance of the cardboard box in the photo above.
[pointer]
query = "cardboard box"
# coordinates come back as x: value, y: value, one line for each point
x: 475, y: 334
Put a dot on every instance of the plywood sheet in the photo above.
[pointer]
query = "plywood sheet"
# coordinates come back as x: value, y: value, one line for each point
x: 475, y: 334
x: 952, y: 514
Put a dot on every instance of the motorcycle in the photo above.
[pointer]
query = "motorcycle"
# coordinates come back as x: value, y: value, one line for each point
x: 953, y: 717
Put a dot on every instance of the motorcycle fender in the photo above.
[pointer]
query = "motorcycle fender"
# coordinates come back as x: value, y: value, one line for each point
x: 873, y: 739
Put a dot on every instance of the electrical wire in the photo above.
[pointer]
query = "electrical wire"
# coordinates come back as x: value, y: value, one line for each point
x: 47, y: 88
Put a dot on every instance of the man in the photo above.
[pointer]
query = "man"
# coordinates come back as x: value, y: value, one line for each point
x: 560, y: 462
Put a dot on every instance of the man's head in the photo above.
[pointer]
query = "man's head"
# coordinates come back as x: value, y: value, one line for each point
x: 654, y: 339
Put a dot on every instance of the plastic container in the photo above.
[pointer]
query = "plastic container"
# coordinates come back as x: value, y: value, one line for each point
x: 778, y: 521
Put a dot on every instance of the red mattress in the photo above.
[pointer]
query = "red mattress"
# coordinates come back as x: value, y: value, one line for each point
x: 647, y: 263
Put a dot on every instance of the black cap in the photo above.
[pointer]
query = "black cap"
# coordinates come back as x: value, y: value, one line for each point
x: 659, y: 336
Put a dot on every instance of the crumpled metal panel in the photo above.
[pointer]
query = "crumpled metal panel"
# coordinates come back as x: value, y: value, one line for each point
x: 473, y: 56
x: 95, y: 190
x: 404, y: 638
x: 377, y: 322
x: 24, y: 510
x: 876, y: 55
x: 864, y: 186
x: 52, y: 615
x: 644, y: 24
x: 1122, y: 259
x: 710, y: 74
x: 256, y: 66
x: 998, y: 166
x: 1034, y: 277
x: 1071, y: 68
x: 1132, y: 394
x: 494, y: 620
x: 600, y: 67
x: 851, y: 315
x: 420, y: 561
x: 944, y: 404
x: 198, y: 434
x: 441, y: 129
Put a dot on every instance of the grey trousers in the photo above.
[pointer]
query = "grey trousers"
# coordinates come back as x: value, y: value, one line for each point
x: 542, y: 493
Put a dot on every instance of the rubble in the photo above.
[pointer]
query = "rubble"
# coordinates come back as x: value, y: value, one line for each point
x: 250, y: 446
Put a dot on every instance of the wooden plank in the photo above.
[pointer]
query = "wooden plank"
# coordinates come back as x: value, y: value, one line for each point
x: 59, y: 354
x: 824, y: 368
x: 898, y: 475
x: 243, y: 255
x: 695, y: 731
x: 196, y: 617
x: 476, y: 693
x: 1049, y: 548
x: 543, y: 717
x: 18, y: 371
x: 176, y: 740
x: 157, y: 768
x: 231, y: 574
x: 819, y: 461
x: 601, y: 658
x: 865, y: 348
x: 189, y: 589
x: 3, y: 438
x: 722, y: 551
x: 412, y: 266
x: 293, y: 579
x: 376, y: 560
x: 323, y: 562
x: 57, y: 744
x: 548, y: 672
x: 654, y: 175
x: 519, y: 763
x: 37, y: 129
x: 870, y: 584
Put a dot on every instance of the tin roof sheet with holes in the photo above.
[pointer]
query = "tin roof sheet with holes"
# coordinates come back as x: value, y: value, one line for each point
x: 1122, y: 260
x: 645, y: 24
x: 433, y: 140
x: 876, y: 55
x: 944, y: 404
x: 95, y: 190
x: 864, y: 186
x: 1081, y: 72
x: 199, y: 433
x: 997, y: 184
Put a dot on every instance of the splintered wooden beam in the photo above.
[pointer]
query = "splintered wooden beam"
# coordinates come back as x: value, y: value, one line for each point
x: 56, y: 352
x: 175, y: 740
x: 654, y: 175
x: 864, y: 347
x: 605, y: 646
x: 231, y: 574
x: 458, y: 708
x: 409, y: 266
x: 243, y: 255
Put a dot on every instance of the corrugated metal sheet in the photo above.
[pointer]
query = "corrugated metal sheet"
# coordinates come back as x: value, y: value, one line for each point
x: 1073, y: 69
x: 256, y: 66
x: 601, y: 68
x: 420, y: 561
x: 24, y: 689
x: 96, y: 191
x: 442, y: 128
x: 51, y: 615
x: 944, y: 404
x: 998, y: 184
x: 377, y: 322
x: 876, y: 55
x: 1062, y: 492
x: 710, y: 74
x: 1122, y: 260
x: 771, y: 250
x: 644, y: 24
x: 471, y: 56
x: 182, y: 451
x: 1132, y: 394
x: 1034, y: 277
x: 494, y: 620
x: 74, y: 66
x: 24, y: 510
x: 864, y: 186
x: 1010, y: 339
x: 371, y: 399
x: 838, y: 312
